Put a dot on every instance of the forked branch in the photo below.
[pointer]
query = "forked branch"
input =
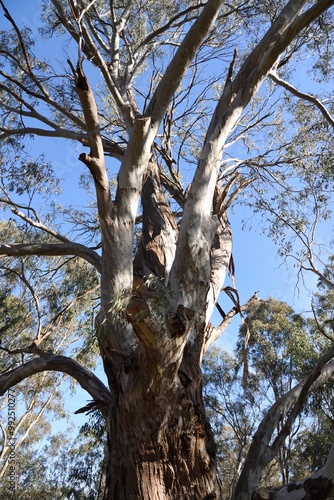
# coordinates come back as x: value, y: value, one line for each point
x: 302, y: 95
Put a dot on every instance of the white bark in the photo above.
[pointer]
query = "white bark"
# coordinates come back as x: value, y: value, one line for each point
x: 182, y: 60
x: 198, y: 224
x: 263, y: 448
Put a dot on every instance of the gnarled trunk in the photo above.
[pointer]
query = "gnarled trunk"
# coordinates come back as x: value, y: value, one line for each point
x: 161, y: 444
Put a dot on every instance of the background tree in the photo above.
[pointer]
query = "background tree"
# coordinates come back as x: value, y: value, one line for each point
x: 64, y: 467
x: 35, y: 401
x: 133, y: 88
x: 282, y: 346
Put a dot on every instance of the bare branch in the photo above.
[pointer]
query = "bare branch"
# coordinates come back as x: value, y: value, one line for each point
x: 40, y: 132
x: 45, y: 97
x: 182, y: 60
x: 34, y: 223
x: 93, y: 54
x: 95, y: 160
x: 213, y: 333
x: 49, y: 362
x: 320, y: 327
x: 49, y: 249
x: 170, y: 23
x: 302, y: 95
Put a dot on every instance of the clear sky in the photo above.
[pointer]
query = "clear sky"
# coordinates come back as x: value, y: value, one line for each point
x: 25, y: 12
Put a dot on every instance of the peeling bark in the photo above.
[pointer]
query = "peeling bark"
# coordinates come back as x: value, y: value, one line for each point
x: 95, y: 160
x: 159, y: 231
x: 166, y: 453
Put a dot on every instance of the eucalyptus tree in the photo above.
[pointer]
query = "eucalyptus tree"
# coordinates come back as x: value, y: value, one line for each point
x: 282, y: 347
x: 26, y: 413
x: 156, y: 91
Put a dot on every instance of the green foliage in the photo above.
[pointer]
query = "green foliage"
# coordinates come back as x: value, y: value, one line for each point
x: 64, y: 468
x: 279, y: 346
x: 233, y: 413
x: 281, y: 350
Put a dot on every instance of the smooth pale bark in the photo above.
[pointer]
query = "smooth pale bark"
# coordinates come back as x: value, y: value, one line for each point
x: 318, y: 486
x: 182, y: 60
x: 198, y: 224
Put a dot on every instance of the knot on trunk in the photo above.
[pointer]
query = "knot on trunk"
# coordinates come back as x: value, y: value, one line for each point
x: 179, y: 322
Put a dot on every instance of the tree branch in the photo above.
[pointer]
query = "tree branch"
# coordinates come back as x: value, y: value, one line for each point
x: 45, y: 97
x: 213, y: 333
x: 182, y: 60
x: 34, y: 223
x: 170, y: 23
x: 302, y: 95
x: 198, y: 225
x: 49, y: 362
x: 263, y: 57
x: 95, y: 160
x: 53, y: 249
x: 57, y: 132
x: 93, y: 54
x: 260, y: 452
x: 317, y: 486
x: 117, y: 252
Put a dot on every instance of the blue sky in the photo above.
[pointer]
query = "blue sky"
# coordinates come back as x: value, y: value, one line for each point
x: 25, y: 12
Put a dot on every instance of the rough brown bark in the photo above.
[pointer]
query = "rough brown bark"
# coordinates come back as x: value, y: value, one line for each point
x: 161, y: 447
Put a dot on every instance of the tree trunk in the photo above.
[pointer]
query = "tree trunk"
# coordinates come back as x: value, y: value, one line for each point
x: 162, y: 447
